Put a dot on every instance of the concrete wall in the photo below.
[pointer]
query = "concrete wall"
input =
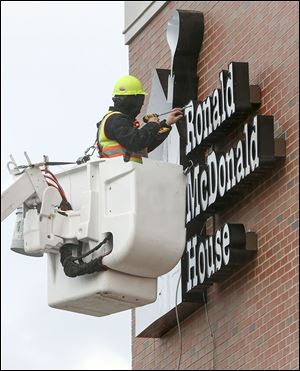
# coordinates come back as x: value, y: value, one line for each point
x: 137, y: 14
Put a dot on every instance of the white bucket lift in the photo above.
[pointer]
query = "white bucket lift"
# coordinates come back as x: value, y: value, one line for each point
x: 141, y: 205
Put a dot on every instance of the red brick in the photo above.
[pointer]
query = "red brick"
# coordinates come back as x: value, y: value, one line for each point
x: 255, y: 304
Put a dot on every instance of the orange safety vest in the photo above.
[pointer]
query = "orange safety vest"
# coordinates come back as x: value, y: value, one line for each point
x: 109, y: 148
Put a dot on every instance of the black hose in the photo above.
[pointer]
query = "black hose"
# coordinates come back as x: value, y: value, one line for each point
x: 107, y: 238
x: 73, y: 269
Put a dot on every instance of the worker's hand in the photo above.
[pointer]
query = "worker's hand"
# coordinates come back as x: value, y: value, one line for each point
x: 174, y: 116
x: 151, y: 117
x: 154, y: 119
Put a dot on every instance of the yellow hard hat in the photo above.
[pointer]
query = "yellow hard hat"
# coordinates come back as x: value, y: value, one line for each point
x: 128, y: 85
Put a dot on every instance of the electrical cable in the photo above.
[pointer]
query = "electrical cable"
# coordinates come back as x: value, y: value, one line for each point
x: 52, y: 177
x: 179, y: 329
x: 107, y: 238
x: 55, y: 185
x: 178, y: 325
x: 73, y: 269
x: 47, y: 171
x: 210, y: 329
x: 69, y: 179
x: 207, y: 318
x: 49, y: 176
x: 52, y: 185
x: 70, y: 182
x: 177, y: 316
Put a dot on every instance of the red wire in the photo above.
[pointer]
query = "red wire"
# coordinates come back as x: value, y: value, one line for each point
x: 61, y: 191
x: 57, y: 185
x: 61, y: 195
x: 54, y: 179
x: 52, y: 185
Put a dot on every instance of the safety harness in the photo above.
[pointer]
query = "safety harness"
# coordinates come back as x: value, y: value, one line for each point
x: 108, y: 148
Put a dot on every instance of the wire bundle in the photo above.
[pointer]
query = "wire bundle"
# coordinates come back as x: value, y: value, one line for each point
x: 52, y: 181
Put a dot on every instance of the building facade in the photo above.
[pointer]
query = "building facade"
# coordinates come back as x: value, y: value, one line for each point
x: 250, y: 320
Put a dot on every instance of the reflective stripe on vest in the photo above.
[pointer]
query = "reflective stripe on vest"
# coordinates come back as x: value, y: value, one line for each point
x: 111, y: 148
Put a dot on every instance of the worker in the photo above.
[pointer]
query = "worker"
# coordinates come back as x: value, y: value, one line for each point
x: 119, y: 133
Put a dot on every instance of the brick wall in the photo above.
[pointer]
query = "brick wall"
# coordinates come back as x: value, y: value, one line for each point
x: 254, y: 314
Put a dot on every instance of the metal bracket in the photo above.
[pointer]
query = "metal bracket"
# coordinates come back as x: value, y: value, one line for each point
x: 15, y: 170
x: 27, y: 158
x: 188, y: 168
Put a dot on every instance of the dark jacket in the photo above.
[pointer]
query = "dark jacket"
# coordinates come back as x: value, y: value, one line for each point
x: 120, y: 127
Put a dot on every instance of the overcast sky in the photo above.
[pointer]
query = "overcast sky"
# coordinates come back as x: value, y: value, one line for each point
x: 59, y: 62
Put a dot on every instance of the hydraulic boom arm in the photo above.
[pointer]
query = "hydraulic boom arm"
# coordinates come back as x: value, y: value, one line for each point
x: 28, y: 186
